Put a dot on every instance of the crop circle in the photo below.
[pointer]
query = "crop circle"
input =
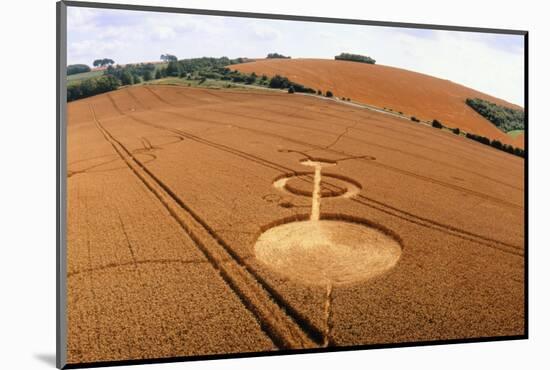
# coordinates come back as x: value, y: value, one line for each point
x: 325, y: 251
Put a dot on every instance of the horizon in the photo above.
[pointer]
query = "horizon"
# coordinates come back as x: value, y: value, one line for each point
x: 489, y: 63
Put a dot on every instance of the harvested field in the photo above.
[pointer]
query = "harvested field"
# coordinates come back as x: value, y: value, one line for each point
x: 411, y: 93
x: 176, y: 199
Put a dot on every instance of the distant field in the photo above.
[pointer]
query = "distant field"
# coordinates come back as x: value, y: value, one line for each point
x: 414, y: 94
x: 83, y: 76
x: 208, y: 83
x: 515, y: 133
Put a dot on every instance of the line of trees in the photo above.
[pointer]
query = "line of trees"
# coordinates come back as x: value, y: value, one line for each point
x: 129, y: 74
x: 216, y: 69
x: 168, y: 58
x: 73, y: 69
x: 199, y: 69
x: 113, y: 78
x: 132, y: 73
x: 497, y: 144
x: 103, y: 62
x: 92, y: 86
x: 280, y: 82
x: 506, y: 119
x: 355, y: 58
x: 276, y: 56
x: 437, y: 124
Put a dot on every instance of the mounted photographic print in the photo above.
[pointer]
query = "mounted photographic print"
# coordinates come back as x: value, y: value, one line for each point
x: 238, y: 184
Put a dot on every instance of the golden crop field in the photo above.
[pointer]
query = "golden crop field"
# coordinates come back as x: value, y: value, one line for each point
x: 412, y: 93
x: 204, y: 221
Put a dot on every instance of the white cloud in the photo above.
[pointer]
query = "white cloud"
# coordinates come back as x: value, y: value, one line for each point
x: 80, y: 19
x: 490, y: 63
x: 163, y: 32
x: 264, y: 32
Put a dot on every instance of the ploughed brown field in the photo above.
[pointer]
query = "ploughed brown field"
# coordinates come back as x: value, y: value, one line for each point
x: 206, y: 221
x: 412, y: 93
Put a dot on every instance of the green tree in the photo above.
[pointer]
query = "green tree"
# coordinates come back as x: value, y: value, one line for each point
x: 250, y: 79
x: 437, y: 124
x: 168, y: 58
x: 92, y: 86
x: 505, y: 118
x: 126, y: 78
x: 77, y: 68
x: 73, y: 92
x: 88, y: 87
x: 279, y: 82
x: 496, y: 144
x: 106, y: 83
x: 172, y: 69
x: 103, y: 62
x: 276, y: 56
x: 355, y: 58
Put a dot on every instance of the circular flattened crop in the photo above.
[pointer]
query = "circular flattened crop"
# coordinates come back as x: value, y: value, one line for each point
x: 327, y: 251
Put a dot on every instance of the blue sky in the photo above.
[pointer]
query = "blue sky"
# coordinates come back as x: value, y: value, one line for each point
x: 490, y: 63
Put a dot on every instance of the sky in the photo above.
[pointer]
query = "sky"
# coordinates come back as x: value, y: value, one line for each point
x: 490, y: 63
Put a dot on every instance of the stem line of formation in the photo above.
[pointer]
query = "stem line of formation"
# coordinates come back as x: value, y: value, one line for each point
x: 316, y: 197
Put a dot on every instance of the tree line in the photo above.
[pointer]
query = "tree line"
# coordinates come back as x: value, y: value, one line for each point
x: 199, y: 69
x: 77, y: 68
x: 112, y: 79
x: 92, y: 86
x: 497, y: 144
x: 355, y: 58
x: 281, y: 82
x: 276, y: 56
x: 103, y: 62
x: 506, y: 119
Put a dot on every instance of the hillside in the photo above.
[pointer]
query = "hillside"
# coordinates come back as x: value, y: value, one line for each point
x: 412, y: 93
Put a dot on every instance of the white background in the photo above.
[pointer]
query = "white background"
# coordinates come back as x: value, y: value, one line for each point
x: 27, y: 183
